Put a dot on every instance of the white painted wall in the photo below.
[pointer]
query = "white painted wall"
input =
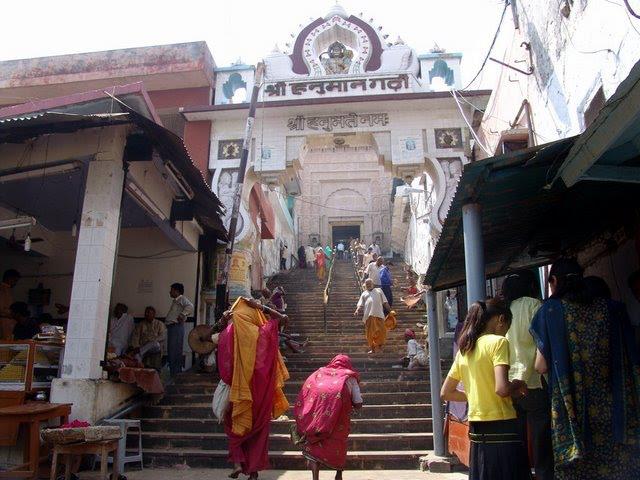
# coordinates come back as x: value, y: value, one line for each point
x: 418, y: 119
x: 56, y: 271
x: 595, y: 46
x: 145, y: 281
x: 406, y: 118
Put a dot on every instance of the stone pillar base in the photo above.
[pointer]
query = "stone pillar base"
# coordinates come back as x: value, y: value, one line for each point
x: 92, y: 399
x: 436, y: 464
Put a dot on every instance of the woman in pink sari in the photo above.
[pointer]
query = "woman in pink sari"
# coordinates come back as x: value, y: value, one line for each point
x: 323, y: 414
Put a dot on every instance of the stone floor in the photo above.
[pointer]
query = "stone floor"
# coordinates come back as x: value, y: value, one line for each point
x: 214, y: 474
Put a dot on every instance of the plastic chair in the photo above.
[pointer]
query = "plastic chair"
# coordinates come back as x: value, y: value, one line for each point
x: 125, y: 425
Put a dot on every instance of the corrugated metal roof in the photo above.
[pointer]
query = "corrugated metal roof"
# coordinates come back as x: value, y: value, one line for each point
x: 100, y: 111
x: 22, y: 118
x: 523, y: 222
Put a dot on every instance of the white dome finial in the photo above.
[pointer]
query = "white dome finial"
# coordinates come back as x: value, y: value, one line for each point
x: 336, y: 10
x: 399, y: 41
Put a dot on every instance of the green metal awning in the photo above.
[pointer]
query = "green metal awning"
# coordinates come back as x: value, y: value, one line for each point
x: 609, y: 148
x: 524, y: 222
x: 528, y: 217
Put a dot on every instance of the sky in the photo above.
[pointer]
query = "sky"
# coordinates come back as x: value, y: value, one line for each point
x: 235, y: 29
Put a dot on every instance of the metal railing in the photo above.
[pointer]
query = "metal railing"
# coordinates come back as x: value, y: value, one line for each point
x: 356, y: 271
x: 326, y: 294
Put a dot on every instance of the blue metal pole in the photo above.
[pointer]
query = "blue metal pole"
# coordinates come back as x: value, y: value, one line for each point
x: 436, y: 375
x: 473, y: 253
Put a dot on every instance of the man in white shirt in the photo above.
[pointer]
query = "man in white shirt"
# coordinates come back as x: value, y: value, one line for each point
x: 341, y: 250
x: 310, y: 255
x: 181, y: 308
x: 367, y: 257
x: 376, y: 248
x: 120, y: 329
x: 372, y: 305
x: 373, y: 271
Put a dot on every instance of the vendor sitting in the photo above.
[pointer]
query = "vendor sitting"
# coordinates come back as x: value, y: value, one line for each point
x: 120, y: 328
x: 148, y: 339
x: 26, y: 327
x: 416, y: 356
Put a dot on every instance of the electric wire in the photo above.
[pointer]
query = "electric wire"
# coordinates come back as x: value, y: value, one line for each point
x: 493, y: 42
x: 299, y: 199
x: 144, y: 257
x: 158, y: 255
x: 486, y: 150
x: 630, y: 10
x: 488, y: 115
x: 584, y: 52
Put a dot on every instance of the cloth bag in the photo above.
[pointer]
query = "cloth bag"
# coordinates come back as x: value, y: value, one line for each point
x: 296, y: 438
x: 220, y: 402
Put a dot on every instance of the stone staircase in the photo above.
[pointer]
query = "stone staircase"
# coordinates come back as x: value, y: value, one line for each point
x: 391, y: 431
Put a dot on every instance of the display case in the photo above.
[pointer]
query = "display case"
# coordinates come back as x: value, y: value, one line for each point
x: 29, y: 366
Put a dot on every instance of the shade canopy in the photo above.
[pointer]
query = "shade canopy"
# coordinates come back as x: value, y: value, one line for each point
x: 552, y: 200
x: 127, y: 104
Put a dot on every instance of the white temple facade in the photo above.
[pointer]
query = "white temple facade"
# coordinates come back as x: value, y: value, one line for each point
x: 343, y: 117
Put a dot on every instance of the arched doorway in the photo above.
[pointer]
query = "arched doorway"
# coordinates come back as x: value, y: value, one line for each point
x: 344, y: 233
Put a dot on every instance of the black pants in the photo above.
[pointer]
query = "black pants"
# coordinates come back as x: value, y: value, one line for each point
x: 534, y: 410
x: 497, y: 452
x: 283, y: 264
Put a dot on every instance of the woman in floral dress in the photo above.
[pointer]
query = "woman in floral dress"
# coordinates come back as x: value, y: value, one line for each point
x: 585, y: 348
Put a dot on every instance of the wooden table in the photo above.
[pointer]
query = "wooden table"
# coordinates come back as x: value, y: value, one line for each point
x: 31, y: 413
x: 72, y: 450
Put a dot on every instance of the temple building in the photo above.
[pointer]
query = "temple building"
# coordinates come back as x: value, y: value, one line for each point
x: 118, y: 171
x: 344, y: 118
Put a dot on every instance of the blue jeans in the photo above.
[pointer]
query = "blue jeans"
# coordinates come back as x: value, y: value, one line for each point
x: 386, y: 289
x: 175, y: 340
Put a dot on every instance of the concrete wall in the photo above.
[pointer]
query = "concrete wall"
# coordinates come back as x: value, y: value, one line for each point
x: 354, y: 189
x: 196, y: 139
x: 345, y: 167
x: 140, y: 282
x: 594, y: 47
x: 92, y: 399
x: 137, y: 283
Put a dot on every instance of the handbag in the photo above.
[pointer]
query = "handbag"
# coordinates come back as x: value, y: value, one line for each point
x: 220, y: 401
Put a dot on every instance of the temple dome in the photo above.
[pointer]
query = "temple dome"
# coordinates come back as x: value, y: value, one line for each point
x: 336, y: 10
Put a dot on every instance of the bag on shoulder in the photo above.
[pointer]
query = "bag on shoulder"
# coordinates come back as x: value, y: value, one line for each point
x: 220, y: 401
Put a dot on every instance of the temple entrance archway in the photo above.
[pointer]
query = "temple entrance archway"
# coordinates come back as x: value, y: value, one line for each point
x: 343, y: 184
x: 343, y: 233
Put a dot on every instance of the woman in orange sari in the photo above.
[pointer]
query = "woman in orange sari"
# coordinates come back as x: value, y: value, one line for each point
x: 323, y: 414
x: 249, y: 362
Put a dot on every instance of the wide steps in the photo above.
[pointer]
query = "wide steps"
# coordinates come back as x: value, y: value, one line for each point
x: 293, y: 387
x: 391, y: 431
x: 380, y: 398
x: 282, y: 460
x: 358, y: 425
x: 203, y: 410
x: 282, y: 441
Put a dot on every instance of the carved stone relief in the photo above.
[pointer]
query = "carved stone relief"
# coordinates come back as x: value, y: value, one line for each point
x: 452, y: 168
